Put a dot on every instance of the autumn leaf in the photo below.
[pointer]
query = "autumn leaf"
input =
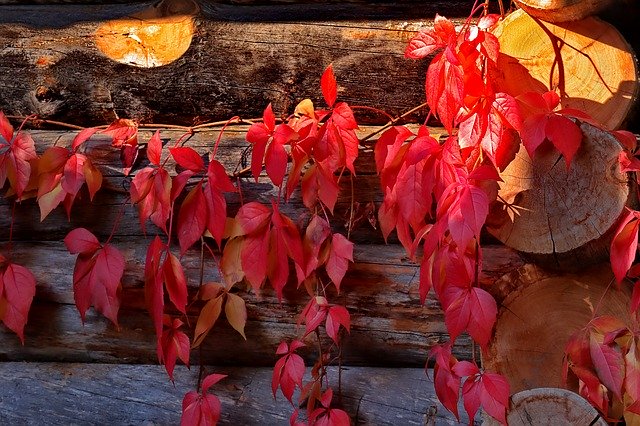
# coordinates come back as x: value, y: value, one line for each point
x: 97, y: 274
x: 329, y: 86
x: 17, y: 289
x: 446, y: 382
x: 154, y: 149
x: 192, y: 218
x: 624, y: 244
x: 337, y: 316
x: 289, y: 369
x: 16, y: 153
x: 473, y: 310
x: 340, y: 254
x: 124, y: 134
x: 609, y: 365
x: 202, y: 408
x: 489, y: 391
x: 173, y: 345
x: 151, y: 191
x: 236, y: 313
x: 187, y: 158
x: 327, y: 416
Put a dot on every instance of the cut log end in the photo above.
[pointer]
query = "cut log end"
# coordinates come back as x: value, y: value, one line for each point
x: 563, y: 10
x: 546, y: 209
x: 539, y: 315
x: 546, y: 406
x: 588, y: 62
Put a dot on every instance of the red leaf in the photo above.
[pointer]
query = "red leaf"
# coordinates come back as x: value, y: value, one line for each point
x: 192, y: 218
x: 6, y: 129
x: 176, y: 282
x: 467, y: 214
x: 319, y: 183
x: 624, y: 245
x: 609, y: 364
x: 275, y: 160
x: 153, y: 280
x: 15, y: 162
x: 187, y: 158
x: 288, y: 371
x: 123, y: 132
x: 626, y: 139
x: 97, y: 280
x: 199, y: 410
x: 254, y: 258
x: 422, y: 45
x: 340, y: 254
x: 81, y: 240
x: 211, y: 380
x: 175, y: 345
x: 565, y: 135
x: 474, y: 310
x: 489, y: 390
x: 253, y: 217
x: 151, y: 189
x: 17, y: 288
x: 82, y: 137
x: 154, y: 149
x: 337, y: 316
x: 73, y: 177
x: 329, y: 86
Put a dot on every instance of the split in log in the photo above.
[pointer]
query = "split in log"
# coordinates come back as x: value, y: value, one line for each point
x: 389, y: 325
x: 49, y: 393
x: 558, y: 214
x: 563, y: 10
x: 587, y: 61
x: 549, y: 406
x: 539, y: 313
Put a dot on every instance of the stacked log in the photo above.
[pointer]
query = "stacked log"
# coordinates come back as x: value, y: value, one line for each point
x: 561, y: 219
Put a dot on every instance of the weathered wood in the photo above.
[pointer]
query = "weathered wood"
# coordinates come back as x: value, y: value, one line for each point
x: 546, y: 406
x: 563, y: 10
x: 100, y: 215
x: 547, y: 210
x: 588, y: 62
x: 142, y: 394
x: 389, y: 326
x: 240, y: 59
x: 539, y: 313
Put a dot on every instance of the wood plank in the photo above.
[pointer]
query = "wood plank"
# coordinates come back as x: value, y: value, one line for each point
x: 100, y: 215
x: 389, y: 326
x: 240, y: 59
x: 37, y: 393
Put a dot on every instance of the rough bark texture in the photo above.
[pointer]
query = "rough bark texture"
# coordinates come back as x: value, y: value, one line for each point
x: 563, y: 10
x: 143, y: 394
x: 546, y: 406
x: 548, y: 210
x: 240, y: 58
x: 587, y: 61
x: 539, y: 313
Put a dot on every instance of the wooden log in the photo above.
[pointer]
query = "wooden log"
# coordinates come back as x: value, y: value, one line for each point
x: 55, y: 61
x: 563, y: 10
x: 389, y: 326
x: 547, y: 406
x: 555, y: 213
x: 53, y: 393
x: 539, y: 312
x: 587, y: 62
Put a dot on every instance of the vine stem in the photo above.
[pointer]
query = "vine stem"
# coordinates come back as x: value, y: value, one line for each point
x: 116, y: 223
x: 13, y: 217
x: 394, y: 121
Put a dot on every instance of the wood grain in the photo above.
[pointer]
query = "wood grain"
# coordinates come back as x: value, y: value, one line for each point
x: 240, y: 59
x: 548, y: 209
x: 53, y: 393
x: 389, y: 326
x: 563, y: 10
x: 587, y: 62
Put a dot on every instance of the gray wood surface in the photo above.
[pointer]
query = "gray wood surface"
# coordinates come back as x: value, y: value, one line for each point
x: 63, y: 394
x: 389, y: 326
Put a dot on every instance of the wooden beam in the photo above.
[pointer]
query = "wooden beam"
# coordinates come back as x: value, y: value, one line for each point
x: 389, y: 326
x: 137, y: 394
x: 239, y: 59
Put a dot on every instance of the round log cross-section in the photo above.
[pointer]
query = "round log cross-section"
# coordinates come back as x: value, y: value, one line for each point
x: 545, y: 209
x: 539, y: 314
x: 562, y: 10
x: 588, y: 62
x: 549, y: 406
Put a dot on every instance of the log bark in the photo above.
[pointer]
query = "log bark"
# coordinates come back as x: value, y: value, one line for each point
x: 587, y: 62
x: 238, y: 60
x: 51, y: 393
x: 557, y: 214
x: 539, y: 311
x: 546, y: 406
x: 389, y: 325
x: 563, y: 10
